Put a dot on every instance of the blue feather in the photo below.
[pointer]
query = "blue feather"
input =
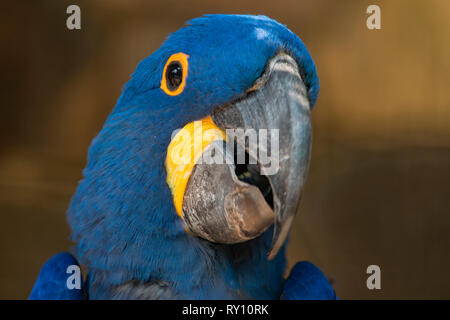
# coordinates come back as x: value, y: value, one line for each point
x: 307, y: 282
x: 52, y: 281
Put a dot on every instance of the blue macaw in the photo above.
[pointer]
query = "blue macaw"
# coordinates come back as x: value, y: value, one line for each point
x: 147, y: 227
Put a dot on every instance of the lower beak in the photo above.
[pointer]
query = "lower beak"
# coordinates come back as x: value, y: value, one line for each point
x: 277, y: 110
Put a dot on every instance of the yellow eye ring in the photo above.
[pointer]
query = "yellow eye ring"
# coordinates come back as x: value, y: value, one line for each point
x: 174, y: 74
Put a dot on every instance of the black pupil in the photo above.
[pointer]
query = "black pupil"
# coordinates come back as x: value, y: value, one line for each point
x: 174, y: 75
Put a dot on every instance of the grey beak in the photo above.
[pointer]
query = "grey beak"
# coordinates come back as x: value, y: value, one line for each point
x: 277, y: 105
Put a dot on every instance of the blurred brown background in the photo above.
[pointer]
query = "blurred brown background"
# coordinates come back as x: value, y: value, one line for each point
x: 379, y: 185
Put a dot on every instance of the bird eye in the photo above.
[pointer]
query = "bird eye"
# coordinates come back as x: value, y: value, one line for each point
x: 174, y: 74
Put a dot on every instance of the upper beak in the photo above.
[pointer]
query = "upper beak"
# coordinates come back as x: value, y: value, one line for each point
x: 278, y: 102
x: 223, y: 207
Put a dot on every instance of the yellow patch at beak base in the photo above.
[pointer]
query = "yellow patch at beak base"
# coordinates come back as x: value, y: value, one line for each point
x: 184, y: 151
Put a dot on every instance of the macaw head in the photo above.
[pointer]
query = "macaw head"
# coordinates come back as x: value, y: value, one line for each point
x: 210, y: 138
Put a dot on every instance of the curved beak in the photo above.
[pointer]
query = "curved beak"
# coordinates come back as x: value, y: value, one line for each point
x: 266, y: 187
